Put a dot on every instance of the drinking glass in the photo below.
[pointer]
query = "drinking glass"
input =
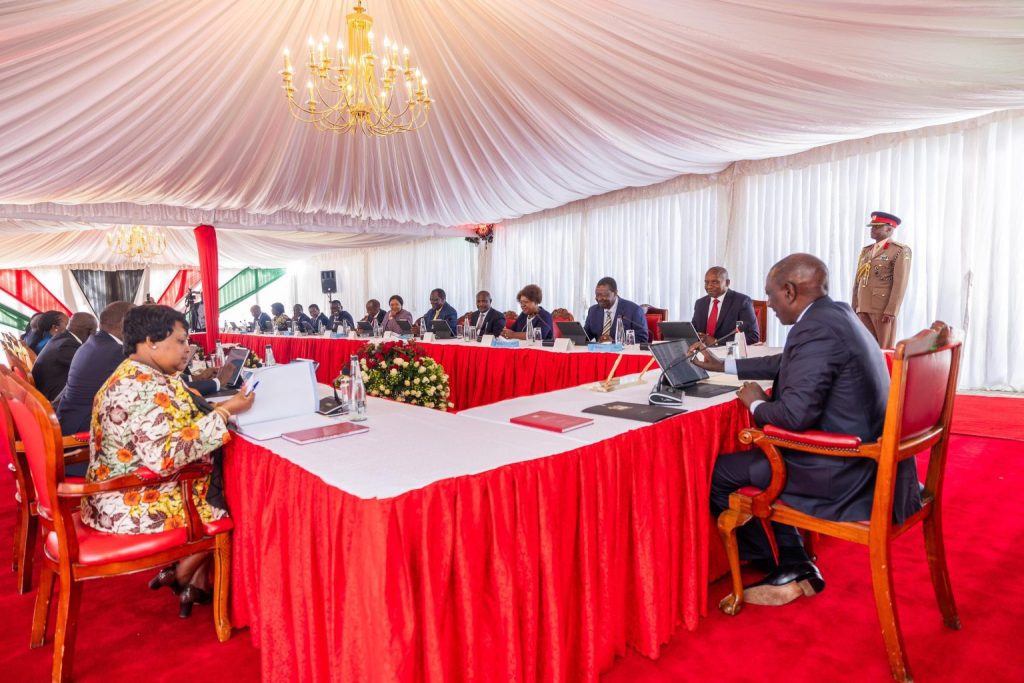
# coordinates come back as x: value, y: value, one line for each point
x: 460, y: 332
x: 538, y: 335
x: 630, y: 337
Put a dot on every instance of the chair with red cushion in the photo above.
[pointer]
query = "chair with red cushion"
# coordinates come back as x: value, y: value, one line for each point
x: 74, y: 552
x: 917, y: 419
x: 510, y: 319
x: 562, y: 314
x: 654, y: 316
x: 761, y: 314
x: 26, y: 524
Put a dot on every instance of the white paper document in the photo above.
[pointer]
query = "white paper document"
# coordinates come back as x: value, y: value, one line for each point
x: 285, y: 392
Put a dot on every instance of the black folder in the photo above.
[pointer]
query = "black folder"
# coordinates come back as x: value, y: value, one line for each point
x: 641, y: 412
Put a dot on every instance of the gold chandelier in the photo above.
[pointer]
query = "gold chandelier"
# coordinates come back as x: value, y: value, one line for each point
x: 136, y: 243
x: 357, y: 88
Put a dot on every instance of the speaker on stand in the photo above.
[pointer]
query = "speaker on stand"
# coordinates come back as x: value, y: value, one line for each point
x: 329, y: 286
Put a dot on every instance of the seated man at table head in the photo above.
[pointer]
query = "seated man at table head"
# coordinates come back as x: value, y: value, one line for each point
x: 831, y: 377
x: 338, y: 316
x: 395, y: 313
x: 303, y: 323
x: 715, y: 315
x: 260, y: 321
x: 146, y: 418
x: 50, y: 370
x: 319, y: 321
x: 92, y: 364
x: 533, y: 315
x: 485, y: 319
x: 374, y: 312
x: 440, y: 309
x: 280, y: 320
x: 610, y: 307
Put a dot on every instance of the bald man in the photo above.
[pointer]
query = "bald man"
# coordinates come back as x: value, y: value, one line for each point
x: 50, y: 371
x: 831, y: 377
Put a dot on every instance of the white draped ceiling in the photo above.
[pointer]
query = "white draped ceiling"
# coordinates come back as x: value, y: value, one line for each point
x: 171, y: 113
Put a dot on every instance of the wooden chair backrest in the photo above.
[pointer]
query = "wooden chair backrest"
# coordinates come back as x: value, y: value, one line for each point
x: 919, y: 412
x: 17, y: 363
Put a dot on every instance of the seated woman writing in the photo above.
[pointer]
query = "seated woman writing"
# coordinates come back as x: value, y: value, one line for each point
x: 533, y: 317
x: 145, y: 417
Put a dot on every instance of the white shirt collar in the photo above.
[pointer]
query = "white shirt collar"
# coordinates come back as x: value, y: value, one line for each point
x: 720, y: 299
x: 800, y: 317
x: 611, y: 311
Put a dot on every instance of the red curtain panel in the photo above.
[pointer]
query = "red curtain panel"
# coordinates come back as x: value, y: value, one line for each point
x: 206, y: 243
x: 183, y: 281
x: 26, y: 288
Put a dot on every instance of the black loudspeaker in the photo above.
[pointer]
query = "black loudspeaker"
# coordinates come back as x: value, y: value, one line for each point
x: 328, y: 282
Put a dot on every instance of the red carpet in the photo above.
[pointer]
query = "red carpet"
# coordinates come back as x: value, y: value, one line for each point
x: 997, y: 416
x: 129, y: 633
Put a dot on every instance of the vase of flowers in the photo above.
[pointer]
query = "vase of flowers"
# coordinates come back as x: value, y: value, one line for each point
x: 402, y: 371
x: 254, y: 360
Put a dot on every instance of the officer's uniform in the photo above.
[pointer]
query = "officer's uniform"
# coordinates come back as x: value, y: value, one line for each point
x: 883, y: 270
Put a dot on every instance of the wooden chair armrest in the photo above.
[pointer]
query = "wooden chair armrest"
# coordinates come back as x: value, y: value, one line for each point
x: 761, y: 503
x: 71, y: 441
x: 822, y: 443
x: 73, y: 457
x: 139, y: 479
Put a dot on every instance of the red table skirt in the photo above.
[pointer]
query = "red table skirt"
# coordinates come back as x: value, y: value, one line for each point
x: 542, y: 570
x: 478, y: 375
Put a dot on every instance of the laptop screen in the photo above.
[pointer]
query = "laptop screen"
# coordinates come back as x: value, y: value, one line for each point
x: 236, y: 358
x: 678, y: 370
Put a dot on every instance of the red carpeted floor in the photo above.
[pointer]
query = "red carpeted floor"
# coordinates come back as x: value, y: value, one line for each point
x: 129, y: 633
x: 997, y: 416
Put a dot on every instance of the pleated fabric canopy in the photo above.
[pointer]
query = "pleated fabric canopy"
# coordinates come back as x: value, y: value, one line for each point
x: 172, y: 113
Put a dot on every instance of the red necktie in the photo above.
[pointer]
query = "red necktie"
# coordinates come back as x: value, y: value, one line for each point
x: 713, y: 318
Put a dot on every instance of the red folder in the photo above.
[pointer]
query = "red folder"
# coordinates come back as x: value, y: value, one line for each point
x: 332, y: 431
x: 553, y: 422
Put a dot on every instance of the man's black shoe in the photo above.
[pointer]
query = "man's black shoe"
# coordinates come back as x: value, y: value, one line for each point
x: 785, y: 584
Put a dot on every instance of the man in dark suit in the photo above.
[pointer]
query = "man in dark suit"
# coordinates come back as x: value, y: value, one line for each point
x: 303, y: 323
x: 486, y: 320
x: 715, y: 315
x: 260, y: 320
x: 50, y: 371
x: 373, y: 312
x: 339, y: 317
x: 92, y: 365
x: 831, y: 377
x: 610, y: 308
x: 441, y: 310
x: 319, y: 321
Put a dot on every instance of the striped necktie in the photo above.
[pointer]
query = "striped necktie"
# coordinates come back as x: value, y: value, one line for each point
x: 607, y: 329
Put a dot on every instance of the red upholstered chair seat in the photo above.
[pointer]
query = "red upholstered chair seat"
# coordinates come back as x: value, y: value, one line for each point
x: 814, y: 438
x: 98, y: 547
x: 652, y: 325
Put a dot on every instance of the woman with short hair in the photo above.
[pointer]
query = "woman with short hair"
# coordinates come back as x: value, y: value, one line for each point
x: 146, y: 418
x: 533, y: 315
x: 396, y: 312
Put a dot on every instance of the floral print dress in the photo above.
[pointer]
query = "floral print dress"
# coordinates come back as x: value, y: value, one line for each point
x: 143, y: 418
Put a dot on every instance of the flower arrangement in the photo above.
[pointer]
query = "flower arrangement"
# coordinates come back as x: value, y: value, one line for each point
x: 254, y: 360
x: 402, y: 371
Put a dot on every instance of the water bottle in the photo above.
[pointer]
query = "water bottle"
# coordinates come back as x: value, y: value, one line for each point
x: 529, y: 330
x: 268, y: 355
x: 357, y: 392
x: 741, y: 340
x: 620, y: 332
x: 422, y: 327
x: 218, y: 359
x: 293, y: 328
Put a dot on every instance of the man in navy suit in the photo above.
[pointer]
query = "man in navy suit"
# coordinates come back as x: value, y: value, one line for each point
x: 715, y: 315
x: 260, y: 320
x: 339, y: 317
x: 320, y: 321
x: 486, y: 320
x: 610, y: 308
x: 440, y: 309
x: 831, y: 377
x: 50, y: 370
x: 94, y: 362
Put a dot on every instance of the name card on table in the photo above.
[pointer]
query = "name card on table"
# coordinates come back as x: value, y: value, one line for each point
x: 505, y: 343
x: 428, y: 337
x: 327, y: 333
x: 605, y: 348
x: 562, y: 344
x: 486, y: 339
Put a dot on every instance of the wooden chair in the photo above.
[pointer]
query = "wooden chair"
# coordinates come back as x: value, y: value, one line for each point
x: 74, y: 552
x: 18, y: 364
x: 26, y: 525
x: 654, y: 316
x: 920, y: 407
x: 761, y: 314
x: 562, y: 314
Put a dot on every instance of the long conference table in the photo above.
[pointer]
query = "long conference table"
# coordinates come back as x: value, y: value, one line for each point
x: 458, y: 546
x: 478, y: 375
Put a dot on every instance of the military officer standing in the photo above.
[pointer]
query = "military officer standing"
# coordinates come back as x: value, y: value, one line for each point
x: 882, y: 273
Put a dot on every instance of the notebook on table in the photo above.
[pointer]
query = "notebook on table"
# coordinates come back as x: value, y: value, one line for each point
x: 641, y: 412
x: 331, y: 431
x: 553, y: 422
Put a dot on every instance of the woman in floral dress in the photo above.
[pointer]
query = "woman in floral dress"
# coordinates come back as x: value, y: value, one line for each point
x: 144, y: 417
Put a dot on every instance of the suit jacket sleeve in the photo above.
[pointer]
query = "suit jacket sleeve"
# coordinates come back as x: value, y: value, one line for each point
x: 204, y: 386
x: 765, y: 367
x: 814, y: 361
x: 450, y: 316
x: 750, y: 328
x: 497, y: 325
x: 638, y: 323
x: 700, y: 322
x: 900, y: 277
